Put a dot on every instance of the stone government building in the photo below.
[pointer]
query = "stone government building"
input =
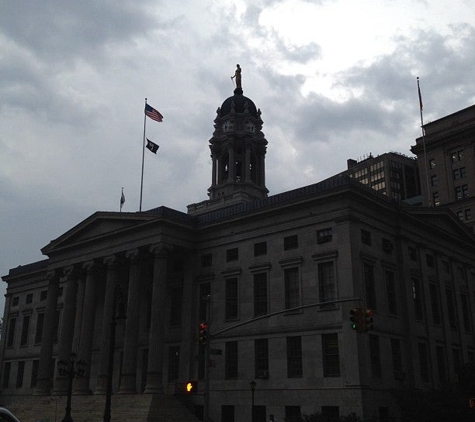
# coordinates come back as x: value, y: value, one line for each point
x: 252, y: 255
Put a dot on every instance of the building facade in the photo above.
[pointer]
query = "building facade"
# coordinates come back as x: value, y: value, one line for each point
x: 392, y: 174
x: 274, y: 277
x: 446, y: 156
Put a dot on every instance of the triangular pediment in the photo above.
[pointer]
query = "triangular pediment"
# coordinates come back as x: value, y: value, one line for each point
x: 445, y: 220
x: 98, y: 225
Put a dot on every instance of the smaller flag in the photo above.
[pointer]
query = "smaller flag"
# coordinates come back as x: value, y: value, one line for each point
x: 152, y: 113
x: 419, y: 92
x: 122, y: 199
x: 152, y: 146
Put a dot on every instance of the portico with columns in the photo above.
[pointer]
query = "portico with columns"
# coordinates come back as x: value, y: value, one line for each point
x: 86, y: 275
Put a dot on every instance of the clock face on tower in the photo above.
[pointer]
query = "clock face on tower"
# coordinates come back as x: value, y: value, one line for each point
x: 227, y: 126
x: 250, y: 127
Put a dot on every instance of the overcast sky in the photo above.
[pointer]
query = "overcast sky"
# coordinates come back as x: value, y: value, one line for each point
x: 334, y: 79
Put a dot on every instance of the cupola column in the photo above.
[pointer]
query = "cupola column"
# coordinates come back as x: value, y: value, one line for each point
x: 231, y: 164
x: 247, y: 165
x: 213, y: 172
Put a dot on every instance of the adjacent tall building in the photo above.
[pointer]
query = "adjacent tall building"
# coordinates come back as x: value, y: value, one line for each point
x: 446, y: 155
x: 274, y: 277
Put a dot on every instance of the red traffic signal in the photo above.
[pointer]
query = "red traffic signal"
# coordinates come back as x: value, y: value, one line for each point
x: 203, y: 333
x: 368, y: 319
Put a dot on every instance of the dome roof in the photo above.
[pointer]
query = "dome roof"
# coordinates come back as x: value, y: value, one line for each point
x: 241, y: 103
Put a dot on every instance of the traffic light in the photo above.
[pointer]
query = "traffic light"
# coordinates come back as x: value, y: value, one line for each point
x: 367, y: 319
x: 203, y: 334
x: 356, y: 319
x: 191, y: 387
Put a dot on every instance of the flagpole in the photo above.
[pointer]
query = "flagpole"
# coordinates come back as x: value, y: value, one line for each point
x: 426, y: 164
x: 143, y: 155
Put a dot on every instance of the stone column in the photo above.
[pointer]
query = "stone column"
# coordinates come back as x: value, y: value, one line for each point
x: 86, y: 331
x: 67, y: 326
x: 157, y: 331
x: 129, y: 364
x: 231, y: 165
x: 46, y: 365
x: 247, y: 165
x: 111, y: 284
x: 213, y: 172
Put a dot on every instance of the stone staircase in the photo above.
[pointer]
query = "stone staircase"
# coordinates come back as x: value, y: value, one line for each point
x: 124, y: 408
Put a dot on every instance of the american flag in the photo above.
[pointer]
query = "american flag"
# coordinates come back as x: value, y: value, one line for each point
x: 153, y: 114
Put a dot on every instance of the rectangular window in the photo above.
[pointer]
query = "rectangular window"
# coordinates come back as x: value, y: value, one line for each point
x: 449, y: 296
x: 227, y: 413
x: 291, y: 242
x: 397, y: 359
x: 460, y: 173
x: 365, y: 237
x: 231, y: 310
x: 456, y: 156
x: 39, y: 328
x: 29, y: 298
x: 260, y: 294
x: 466, y: 313
x: 261, y: 358
x: 446, y: 267
x: 20, y: 373
x: 231, y: 360
x: 434, y: 180
x: 260, y: 248
x: 424, y: 362
x: 294, y: 357
x: 16, y: 301
x: 412, y: 253
x: 207, y: 260
x: 432, y: 163
x: 324, y: 235
x: 292, y: 414
x: 24, y: 330
x: 292, y: 288
x: 430, y: 260
x: 330, y: 355
x: 176, y: 295
x: 326, y: 281
x: 205, y: 292
x: 436, y: 198
x: 418, y: 298
x: 34, y: 373
x: 468, y: 214
x: 369, y: 286
x: 441, y: 364
x: 11, y: 332
x: 232, y: 254
x: 435, y: 303
x: 375, y: 356
x: 173, y: 363
x: 43, y: 295
x: 391, y: 292
x: 6, y: 374
x: 461, y: 192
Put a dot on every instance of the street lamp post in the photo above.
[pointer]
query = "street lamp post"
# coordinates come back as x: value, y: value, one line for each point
x: 118, y: 314
x: 253, y: 388
x: 70, y: 369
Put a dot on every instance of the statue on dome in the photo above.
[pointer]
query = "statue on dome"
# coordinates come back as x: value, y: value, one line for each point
x: 237, y: 75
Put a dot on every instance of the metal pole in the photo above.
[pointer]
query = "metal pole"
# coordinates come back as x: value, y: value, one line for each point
x: 107, y: 410
x: 207, y: 356
x: 67, y: 416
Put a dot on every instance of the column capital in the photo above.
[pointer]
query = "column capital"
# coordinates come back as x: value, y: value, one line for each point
x: 132, y: 254
x: 161, y: 249
x: 52, y: 276
x: 110, y: 260
x: 89, y: 265
x: 70, y: 271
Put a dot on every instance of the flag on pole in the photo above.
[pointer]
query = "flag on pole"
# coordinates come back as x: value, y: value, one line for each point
x: 419, y: 92
x: 152, y: 113
x: 122, y: 199
x: 152, y: 146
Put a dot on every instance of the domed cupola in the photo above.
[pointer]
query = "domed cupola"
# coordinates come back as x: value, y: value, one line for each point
x: 238, y: 149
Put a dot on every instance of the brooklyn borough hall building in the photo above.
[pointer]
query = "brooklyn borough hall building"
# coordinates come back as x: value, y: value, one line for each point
x: 273, y: 278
